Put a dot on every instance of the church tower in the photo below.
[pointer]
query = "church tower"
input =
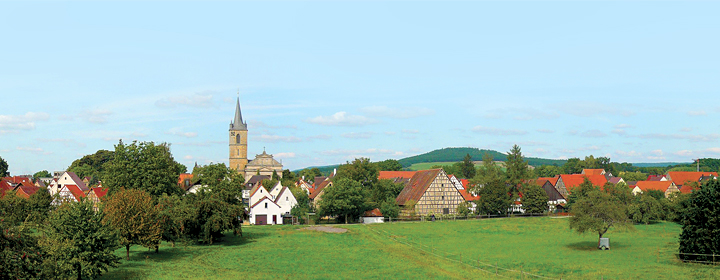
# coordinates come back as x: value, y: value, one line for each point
x: 238, y: 141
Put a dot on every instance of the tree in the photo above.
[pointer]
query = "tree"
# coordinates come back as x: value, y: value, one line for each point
x: 303, y: 205
x: 534, y: 199
x: 581, y: 191
x: 382, y: 191
x: 4, y: 168
x: 77, y: 243
x: 645, y: 209
x: 390, y: 208
x: 389, y: 165
x: 700, y: 227
x: 360, y: 170
x: 143, y: 166
x: 517, y: 168
x: 92, y: 165
x: 212, y: 173
x: 490, y: 185
x: 467, y: 168
x: 572, y: 166
x: 41, y: 174
x: 548, y: 171
x: 463, y: 209
x: 345, y: 199
x: 633, y: 176
x: 288, y: 178
x: 598, y: 211
x: 20, y: 255
x: 310, y: 173
x: 133, y: 214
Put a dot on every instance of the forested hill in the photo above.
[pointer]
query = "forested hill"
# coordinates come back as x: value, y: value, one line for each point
x: 457, y: 154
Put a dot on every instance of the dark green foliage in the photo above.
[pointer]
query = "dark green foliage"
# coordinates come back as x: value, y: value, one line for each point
x: 77, y: 243
x: 389, y: 165
x: 463, y: 209
x: 20, y: 255
x: 580, y: 191
x: 134, y: 216
x: 4, y: 168
x: 467, y: 167
x: 517, y: 168
x: 390, y: 208
x: 701, y: 224
x: 457, y: 154
x: 309, y: 173
x: 495, y: 197
x: 633, y: 176
x: 288, y: 178
x: 548, y: 171
x: 706, y: 165
x: 382, y: 191
x: 143, y: 166
x: 34, y: 210
x: 303, y: 205
x: 360, y: 170
x: 172, y: 216
x: 534, y: 199
x: 572, y: 166
x: 92, y: 165
x: 657, y: 194
x: 345, y: 199
x: 213, y: 173
x: 646, y: 208
x: 41, y: 174
x: 597, y: 211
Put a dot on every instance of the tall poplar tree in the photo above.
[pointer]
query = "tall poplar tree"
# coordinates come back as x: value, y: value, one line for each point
x: 467, y: 168
x: 517, y: 168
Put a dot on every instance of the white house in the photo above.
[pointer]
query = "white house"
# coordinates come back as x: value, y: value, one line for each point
x: 265, y: 212
x: 275, y: 190
x: 257, y: 193
x: 373, y: 216
x: 286, y: 200
x: 305, y: 186
x: 68, y: 193
x: 67, y: 178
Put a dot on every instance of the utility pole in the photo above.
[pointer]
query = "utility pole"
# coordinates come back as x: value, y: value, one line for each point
x: 698, y: 164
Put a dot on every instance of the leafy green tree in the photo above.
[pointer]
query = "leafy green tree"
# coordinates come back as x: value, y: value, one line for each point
x: 133, y: 214
x: 288, y: 178
x: 77, y: 243
x: 467, y: 168
x: 463, y: 209
x: 209, y: 215
x: 382, y: 191
x: 14, y: 208
x: 390, y: 208
x: 360, y: 170
x: 212, y: 173
x: 4, y: 168
x: 645, y: 209
x: 172, y: 216
x: 700, y: 227
x: 581, y: 191
x: 20, y: 255
x: 346, y: 199
x: 41, y: 174
x: 598, y: 211
x: 490, y: 185
x: 303, y: 205
x: 389, y: 165
x: 572, y: 166
x: 275, y: 176
x: 310, y: 173
x: 517, y: 168
x: 39, y: 206
x: 143, y: 166
x: 92, y: 165
x: 548, y: 171
x: 633, y: 176
x: 674, y: 206
x: 534, y: 199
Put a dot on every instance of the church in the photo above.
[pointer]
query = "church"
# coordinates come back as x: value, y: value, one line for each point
x: 263, y: 164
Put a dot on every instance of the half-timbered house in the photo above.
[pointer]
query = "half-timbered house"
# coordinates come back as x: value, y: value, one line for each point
x: 430, y: 192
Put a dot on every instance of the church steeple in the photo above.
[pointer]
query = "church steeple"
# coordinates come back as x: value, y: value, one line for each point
x: 238, y: 123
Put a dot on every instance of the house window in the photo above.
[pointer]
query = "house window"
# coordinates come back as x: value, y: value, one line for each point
x: 287, y: 198
x: 442, y: 197
x: 265, y: 205
x: 446, y: 211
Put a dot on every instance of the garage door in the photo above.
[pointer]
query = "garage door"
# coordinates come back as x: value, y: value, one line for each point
x: 261, y: 219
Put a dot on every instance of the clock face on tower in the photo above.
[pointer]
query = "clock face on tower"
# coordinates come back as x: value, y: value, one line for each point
x: 232, y: 133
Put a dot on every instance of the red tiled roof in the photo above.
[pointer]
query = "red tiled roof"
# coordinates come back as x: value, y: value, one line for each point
x: 26, y: 191
x: 76, y: 191
x: 468, y: 196
x: 99, y: 191
x: 396, y: 174
x: 593, y: 171
x: 574, y: 180
x: 654, y: 185
x: 20, y: 180
x: 183, y: 177
x: 688, y: 189
x: 373, y: 213
x: 417, y: 186
x: 319, y: 188
x: 655, y: 177
x: 541, y: 181
x: 682, y: 177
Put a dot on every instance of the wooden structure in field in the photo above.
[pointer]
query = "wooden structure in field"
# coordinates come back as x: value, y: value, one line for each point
x: 429, y: 192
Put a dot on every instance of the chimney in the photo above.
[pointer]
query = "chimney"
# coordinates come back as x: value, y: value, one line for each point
x: 334, y: 171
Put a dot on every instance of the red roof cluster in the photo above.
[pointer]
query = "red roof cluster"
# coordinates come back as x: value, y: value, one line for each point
x: 574, y: 180
x: 683, y: 177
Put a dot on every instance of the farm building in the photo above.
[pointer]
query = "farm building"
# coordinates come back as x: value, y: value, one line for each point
x: 429, y: 192
x: 373, y: 217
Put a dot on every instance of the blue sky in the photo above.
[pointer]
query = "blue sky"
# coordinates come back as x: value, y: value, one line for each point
x: 324, y: 82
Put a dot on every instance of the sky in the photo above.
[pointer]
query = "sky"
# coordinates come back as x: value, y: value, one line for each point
x: 323, y: 83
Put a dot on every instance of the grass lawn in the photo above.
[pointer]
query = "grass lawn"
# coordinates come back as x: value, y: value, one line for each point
x: 542, y: 246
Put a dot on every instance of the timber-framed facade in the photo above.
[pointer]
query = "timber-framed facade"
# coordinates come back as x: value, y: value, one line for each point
x: 432, y: 193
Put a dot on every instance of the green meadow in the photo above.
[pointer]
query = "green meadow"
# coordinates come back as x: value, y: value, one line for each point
x: 516, y: 248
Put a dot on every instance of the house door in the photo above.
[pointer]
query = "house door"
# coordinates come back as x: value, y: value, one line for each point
x: 274, y: 219
x: 261, y: 219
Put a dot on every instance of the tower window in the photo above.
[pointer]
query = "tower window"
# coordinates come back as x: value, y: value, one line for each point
x: 237, y: 138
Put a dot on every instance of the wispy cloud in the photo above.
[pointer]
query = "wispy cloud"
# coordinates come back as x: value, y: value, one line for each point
x: 544, y: 130
x: 98, y: 116
x: 277, y: 138
x: 14, y: 123
x: 342, y: 119
x: 683, y: 153
x: 690, y: 137
x: 593, y: 134
x: 357, y: 135
x: 33, y: 150
x: 593, y: 108
x: 284, y: 155
x: 396, y: 113
x: 697, y: 113
x: 360, y: 153
x: 498, y: 131
x: 179, y: 132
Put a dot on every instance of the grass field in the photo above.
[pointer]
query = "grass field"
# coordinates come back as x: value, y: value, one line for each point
x: 437, y: 250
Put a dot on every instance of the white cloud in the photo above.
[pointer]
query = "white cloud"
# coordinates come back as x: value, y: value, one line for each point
x: 33, y: 150
x: 284, y: 155
x: 179, y: 132
x: 691, y: 137
x: 686, y: 129
x: 396, y: 113
x: 619, y: 131
x: 684, y: 153
x: 623, y: 126
x: 342, y: 119
x: 593, y: 134
x: 713, y: 150
x: 97, y: 115
x: 357, y: 135
x: 14, y: 123
x: 411, y: 131
x: 277, y: 138
x: 188, y: 157
x: 390, y: 132
x: 201, y: 99
x: 321, y: 137
x: 628, y: 154
x: 498, y: 131
x: 592, y: 108
x: 544, y: 130
x: 697, y: 113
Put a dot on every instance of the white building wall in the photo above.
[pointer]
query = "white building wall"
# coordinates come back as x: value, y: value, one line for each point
x: 373, y: 220
x: 269, y: 208
x: 286, y: 201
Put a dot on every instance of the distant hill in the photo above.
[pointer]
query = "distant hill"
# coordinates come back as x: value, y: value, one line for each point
x: 457, y: 154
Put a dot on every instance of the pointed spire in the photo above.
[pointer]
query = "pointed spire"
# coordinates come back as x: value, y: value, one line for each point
x: 238, y: 123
